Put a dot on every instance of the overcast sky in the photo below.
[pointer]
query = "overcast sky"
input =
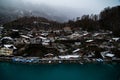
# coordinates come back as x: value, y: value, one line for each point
x: 91, y: 5
x: 72, y: 7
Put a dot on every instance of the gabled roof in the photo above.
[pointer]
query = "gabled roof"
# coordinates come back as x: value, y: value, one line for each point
x: 9, y: 46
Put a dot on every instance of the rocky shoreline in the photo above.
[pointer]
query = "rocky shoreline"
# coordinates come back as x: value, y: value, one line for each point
x: 36, y: 60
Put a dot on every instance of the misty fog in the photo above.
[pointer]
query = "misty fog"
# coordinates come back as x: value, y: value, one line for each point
x: 64, y: 9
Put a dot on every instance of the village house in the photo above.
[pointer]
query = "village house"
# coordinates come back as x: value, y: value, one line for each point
x: 67, y: 29
x: 5, y: 51
x: 107, y: 54
x: 74, y: 36
x: 69, y: 57
x: 7, y: 40
x: 49, y: 55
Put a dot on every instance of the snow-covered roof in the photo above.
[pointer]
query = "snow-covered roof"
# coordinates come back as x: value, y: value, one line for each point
x: 69, y: 56
x: 45, y: 43
x: 86, y: 33
x: 24, y: 36
x: 44, y: 34
x: 96, y: 34
x: 76, y: 34
x: 42, y: 37
x: 116, y: 39
x: 15, y: 30
x: 107, y: 54
x: 110, y: 55
x: 76, y: 50
x: 9, y: 38
x: 89, y: 40
x: 49, y: 54
x: 9, y: 46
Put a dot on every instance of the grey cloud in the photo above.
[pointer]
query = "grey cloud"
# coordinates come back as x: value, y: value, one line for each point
x: 66, y: 9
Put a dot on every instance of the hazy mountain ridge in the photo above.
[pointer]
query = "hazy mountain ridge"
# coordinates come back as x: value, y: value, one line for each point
x: 10, y: 13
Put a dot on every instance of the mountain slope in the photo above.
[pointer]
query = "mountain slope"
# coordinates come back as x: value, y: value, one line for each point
x: 8, y: 13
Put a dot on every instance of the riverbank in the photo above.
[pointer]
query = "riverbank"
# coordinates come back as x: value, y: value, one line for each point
x: 36, y: 60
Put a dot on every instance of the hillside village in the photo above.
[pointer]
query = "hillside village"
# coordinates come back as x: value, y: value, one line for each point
x: 63, y: 42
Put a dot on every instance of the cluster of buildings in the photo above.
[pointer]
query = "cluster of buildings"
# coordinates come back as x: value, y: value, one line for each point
x: 69, y: 42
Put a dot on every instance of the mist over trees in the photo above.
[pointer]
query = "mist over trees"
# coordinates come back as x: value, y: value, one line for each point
x: 108, y: 19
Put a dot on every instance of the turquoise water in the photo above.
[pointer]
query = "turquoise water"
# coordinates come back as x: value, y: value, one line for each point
x: 14, y: 71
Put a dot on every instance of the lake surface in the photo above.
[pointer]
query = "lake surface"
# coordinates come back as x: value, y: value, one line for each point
x: 99, y: 71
